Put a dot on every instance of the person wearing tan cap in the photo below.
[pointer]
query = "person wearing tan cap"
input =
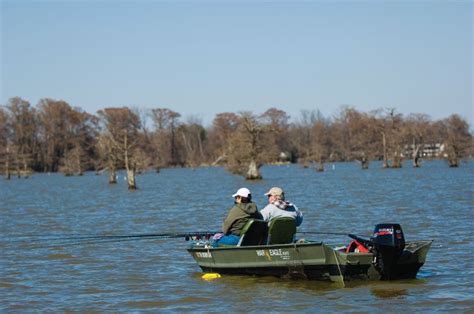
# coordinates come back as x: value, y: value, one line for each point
x: 243, y: 210
x: 277, y: 207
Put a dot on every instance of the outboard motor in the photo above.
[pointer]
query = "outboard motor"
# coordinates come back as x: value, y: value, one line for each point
x: 388, y: 244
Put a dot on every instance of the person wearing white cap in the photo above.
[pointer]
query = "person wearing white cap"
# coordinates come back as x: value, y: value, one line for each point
x: 277, y: 207
x: 243, y: 210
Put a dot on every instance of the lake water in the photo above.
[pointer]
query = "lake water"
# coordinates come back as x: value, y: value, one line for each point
x: 432, y: 202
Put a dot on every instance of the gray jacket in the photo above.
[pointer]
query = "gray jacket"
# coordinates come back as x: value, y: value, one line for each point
x: 282, y: 209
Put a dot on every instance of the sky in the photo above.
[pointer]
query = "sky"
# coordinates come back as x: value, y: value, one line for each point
x: 201, y: 58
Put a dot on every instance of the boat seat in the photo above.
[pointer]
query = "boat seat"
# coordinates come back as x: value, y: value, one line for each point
x: 254, y: 233
x: 281, y: 230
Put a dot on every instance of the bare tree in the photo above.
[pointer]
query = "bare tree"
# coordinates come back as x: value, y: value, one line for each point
x: 5, y: 139
x: 193, y: 137
x: 275, y: 135
x: 164, y: 139
x: 245, y: 147
x: 302, y: 136
x: 321, y: 141
x: 121, y: 126
x: 340, y: 136
x: 53, y: 118
x: 360, y: 135
x: 108, y: 157
x: 23, y: 130
x: 253, y: 130
x: 390, y: 126
x: 457, y: 139
x: 416, y: 127
x: 224, y: 126
x: 145, y: 150
x: 81, y: 133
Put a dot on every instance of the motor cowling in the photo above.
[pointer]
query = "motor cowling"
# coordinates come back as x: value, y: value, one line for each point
x: 388, y: 244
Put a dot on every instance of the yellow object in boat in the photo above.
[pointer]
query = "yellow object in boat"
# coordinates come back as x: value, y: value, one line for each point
x: 211, y: 276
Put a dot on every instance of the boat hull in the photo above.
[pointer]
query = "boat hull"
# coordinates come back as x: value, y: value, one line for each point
x: 313, y: 260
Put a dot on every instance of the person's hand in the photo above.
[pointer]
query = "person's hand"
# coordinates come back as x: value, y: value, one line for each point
x: 217, y: 236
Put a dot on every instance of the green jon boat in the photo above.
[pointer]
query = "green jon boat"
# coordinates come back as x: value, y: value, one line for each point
x: 385, y: 256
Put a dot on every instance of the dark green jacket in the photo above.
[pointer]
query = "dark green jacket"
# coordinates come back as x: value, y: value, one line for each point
x: 238, y: 217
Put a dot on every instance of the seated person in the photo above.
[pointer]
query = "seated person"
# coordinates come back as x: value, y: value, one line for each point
x: 277, y: 207
x: 243, y: 210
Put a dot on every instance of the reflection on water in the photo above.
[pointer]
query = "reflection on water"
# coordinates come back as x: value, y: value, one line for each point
x: 432, y: 202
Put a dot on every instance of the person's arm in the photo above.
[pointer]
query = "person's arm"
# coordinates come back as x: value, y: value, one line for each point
x: 228, y: 221
x: 265, y: 212
x: 226, y: 225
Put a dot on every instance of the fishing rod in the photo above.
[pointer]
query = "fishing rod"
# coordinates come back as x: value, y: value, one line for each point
x: 187, y: 235
x: 48, y: 242
x: 86, y: 242
x: 55, y: 240
x: 102, y: 238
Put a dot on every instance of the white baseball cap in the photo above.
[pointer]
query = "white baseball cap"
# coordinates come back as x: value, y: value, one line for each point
x: 244, y: 192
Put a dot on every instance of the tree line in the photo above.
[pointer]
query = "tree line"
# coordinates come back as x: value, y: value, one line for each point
x: 53, y: 136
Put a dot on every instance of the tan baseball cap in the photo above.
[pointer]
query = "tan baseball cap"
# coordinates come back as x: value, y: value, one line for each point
x: 275, y: 191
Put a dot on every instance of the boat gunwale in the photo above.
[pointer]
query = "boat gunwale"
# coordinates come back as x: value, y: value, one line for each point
x: 296, y: 245
x: 258, y: 247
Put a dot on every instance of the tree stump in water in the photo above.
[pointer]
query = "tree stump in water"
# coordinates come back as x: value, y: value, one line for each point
x: 132, y: 183
x: 364, y: 163
x: 396, y: 163
x: 320, y: 167
x: 253, y: 173
x: 453, y: 162
x: 416, y: 162
x: 112, y: 177
x: 416, y: 156
x: 7, y: 168
x: 396, y: 160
